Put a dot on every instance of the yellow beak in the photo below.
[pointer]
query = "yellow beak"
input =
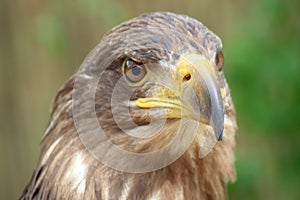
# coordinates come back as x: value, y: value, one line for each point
x: 194, y: 94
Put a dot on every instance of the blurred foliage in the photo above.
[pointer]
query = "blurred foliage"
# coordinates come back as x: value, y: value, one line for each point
x: 43, y: 42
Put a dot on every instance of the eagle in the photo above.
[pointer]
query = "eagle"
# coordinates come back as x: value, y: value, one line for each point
x: 148, y: 115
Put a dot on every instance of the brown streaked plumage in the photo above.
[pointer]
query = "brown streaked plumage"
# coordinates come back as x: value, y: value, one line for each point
x: 67, y: 170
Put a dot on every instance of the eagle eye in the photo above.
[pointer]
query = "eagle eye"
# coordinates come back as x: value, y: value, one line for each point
x: 134, y: 71
x: 219, y: 60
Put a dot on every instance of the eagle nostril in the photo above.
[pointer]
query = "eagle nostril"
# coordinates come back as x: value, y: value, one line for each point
x: 187, y: 77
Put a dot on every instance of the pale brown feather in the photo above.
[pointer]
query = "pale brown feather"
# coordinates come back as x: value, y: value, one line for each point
x: 66, y: 170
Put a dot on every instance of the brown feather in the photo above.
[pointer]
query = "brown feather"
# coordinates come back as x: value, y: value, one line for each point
x: 62, y: 152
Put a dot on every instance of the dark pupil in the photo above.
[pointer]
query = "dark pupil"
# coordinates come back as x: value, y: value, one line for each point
x: 136, y: 70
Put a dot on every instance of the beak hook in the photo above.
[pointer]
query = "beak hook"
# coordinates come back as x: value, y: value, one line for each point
x: 208, y: 94
x: 215, y: 102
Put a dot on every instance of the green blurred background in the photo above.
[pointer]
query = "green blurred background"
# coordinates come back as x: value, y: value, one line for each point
x: 43, y: 42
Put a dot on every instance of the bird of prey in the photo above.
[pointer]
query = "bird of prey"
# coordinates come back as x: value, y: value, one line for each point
x: 147, y: 116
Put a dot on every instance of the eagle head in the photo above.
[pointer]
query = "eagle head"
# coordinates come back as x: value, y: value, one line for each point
x: 148, y: 112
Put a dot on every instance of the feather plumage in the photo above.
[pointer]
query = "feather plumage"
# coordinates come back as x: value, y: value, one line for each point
x: 67, y: 170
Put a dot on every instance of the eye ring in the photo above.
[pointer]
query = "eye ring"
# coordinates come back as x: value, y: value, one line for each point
x: 134, y: 71
x: 219, y: 60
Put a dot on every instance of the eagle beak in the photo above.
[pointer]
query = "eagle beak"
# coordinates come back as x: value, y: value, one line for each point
x: 195, y: 94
